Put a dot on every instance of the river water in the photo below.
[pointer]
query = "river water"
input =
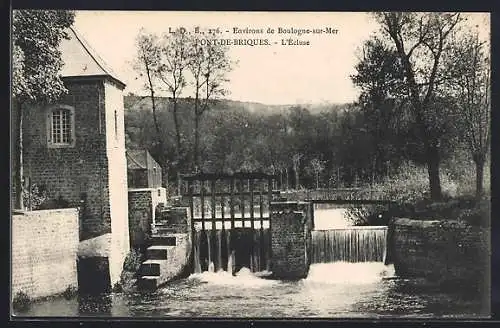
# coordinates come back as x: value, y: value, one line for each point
x: 336, y: 288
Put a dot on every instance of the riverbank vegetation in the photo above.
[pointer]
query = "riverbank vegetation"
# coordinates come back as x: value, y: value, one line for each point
x: 130, y: 270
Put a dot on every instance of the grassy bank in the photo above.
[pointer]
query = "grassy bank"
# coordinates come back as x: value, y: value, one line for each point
x: 409, y: 189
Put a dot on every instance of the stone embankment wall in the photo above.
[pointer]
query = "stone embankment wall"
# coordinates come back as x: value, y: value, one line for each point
x: 443, y: 251
x: 44, y: 252
x: 291, y: 225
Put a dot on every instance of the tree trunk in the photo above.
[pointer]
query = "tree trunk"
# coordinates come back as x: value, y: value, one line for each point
x: 179, y: 183
x: 317, y: 180
x: 196, y: 142
x: 479, y: 160
x: 297, y: 182
x: 19, y: 159
x: 281, y: 179
x: 155, y: 119
x: 286, y: 178
x: 433, y: 170
x: 177, y: 130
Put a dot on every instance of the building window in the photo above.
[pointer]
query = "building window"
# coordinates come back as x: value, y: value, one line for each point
x: 60, y: 126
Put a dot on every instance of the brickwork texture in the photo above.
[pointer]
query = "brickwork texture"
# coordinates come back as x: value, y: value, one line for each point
x: 68, y: 173
x: 142, y: 205
x: 443, y: 251
x: 290, y: 229
x: 92, y: 173
x: 44, y: 252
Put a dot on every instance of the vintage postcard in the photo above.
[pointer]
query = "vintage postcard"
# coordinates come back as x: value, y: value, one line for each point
x: 250, y: 164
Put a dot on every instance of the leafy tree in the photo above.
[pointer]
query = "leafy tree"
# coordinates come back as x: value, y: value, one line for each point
x: 420, y: 40
x: 382, y: 100
x: 469, y: 82
x: 36, y: 65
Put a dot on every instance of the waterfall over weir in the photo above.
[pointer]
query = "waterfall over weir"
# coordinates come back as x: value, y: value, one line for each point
x: 231, y: 250
x: 350, y: 244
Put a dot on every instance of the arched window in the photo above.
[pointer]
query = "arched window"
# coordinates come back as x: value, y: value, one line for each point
x: 60, y: 126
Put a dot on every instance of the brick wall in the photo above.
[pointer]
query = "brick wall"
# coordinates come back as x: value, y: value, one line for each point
x: 70, y: 172
x: 140, y: 216
x: 445, y: 251
x: 44, y: 248
x: 142, y: 204
x: 290, y: 228
x: 137, y: 178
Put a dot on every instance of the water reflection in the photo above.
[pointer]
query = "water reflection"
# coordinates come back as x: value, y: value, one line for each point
x: 95, y: 305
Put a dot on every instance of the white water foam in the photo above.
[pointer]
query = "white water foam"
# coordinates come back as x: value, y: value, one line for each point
x: 244, y: 278
x: 349, y: 273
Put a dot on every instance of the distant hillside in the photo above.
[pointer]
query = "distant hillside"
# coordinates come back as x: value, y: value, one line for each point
x: 134, y: 103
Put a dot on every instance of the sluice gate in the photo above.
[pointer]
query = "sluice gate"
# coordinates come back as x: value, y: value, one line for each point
x: 230, y: 219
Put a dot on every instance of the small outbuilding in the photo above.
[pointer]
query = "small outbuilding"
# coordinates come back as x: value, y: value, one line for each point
x: 142, y: 170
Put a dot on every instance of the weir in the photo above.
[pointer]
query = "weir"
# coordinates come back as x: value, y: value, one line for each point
x: 351, y: 244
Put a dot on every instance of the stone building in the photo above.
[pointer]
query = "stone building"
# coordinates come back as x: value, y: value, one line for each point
x: 145, y: 193
x: 74, y: 149
x: 142, y: 169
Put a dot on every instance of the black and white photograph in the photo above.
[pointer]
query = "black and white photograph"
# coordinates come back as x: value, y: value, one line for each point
x: 244, y: 164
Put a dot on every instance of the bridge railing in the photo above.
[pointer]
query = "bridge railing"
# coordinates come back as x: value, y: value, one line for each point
x: 332, y: 194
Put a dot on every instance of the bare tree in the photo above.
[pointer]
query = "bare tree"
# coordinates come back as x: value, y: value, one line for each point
x: 420, y: 39
x: 296, y: 167
x: 317, y: 167
x: 209, y: 64
x: 147, y: 64
x: 171, y: 70
x: 470, y: 86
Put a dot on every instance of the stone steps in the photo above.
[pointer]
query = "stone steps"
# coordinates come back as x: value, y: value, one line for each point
x: 152, y: 270
x: 148, y: 282
x: 158, y: 268
x: 151, y: 267
x: 157, y: 252
x: 163, y: 240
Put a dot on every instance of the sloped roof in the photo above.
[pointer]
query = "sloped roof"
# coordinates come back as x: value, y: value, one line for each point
x: 81, y: 60
x: 136, y: 159
x: 140, y: 159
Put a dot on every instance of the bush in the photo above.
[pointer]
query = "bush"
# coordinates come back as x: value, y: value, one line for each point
x: 133, y: 260
x: 130, y: 271
x: 368, y: 215
x: 32, y: 199
x: 409, y: 190
x: 70, y: 292
x: 411, y: 184
x: 50, y: 204
x: 21, y: 301
x: 478, y: 215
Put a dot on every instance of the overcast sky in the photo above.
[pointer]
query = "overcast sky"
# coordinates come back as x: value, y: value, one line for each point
x: 272, y: 74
